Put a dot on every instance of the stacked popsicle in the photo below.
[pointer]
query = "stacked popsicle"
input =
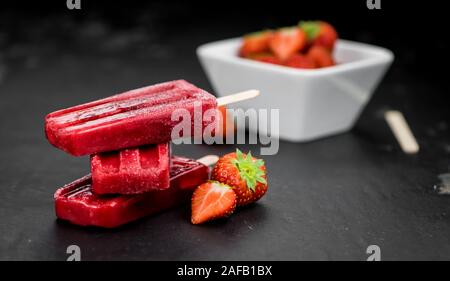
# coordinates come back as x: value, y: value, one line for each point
x: 127, y: 136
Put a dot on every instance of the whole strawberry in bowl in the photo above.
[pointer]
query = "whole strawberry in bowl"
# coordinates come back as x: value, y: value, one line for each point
x: 320, y: 33
x: 245, y: 174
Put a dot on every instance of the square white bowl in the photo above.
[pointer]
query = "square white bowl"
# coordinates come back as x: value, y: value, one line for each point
x: 313, y: 103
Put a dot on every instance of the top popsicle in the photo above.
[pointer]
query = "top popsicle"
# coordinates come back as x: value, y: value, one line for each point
x: 134, y: 118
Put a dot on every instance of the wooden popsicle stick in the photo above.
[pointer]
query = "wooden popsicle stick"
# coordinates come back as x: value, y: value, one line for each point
x: 401, y: 131
x: 209, y: 160
x: 237, y: 97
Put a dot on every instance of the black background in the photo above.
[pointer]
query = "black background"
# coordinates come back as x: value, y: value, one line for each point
x: 329, y: 199
x: 415, y: 30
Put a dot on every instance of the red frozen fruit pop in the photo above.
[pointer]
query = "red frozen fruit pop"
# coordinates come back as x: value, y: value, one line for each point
x: 134, y: 118
x: 76, y: 203
x: 131, y: 171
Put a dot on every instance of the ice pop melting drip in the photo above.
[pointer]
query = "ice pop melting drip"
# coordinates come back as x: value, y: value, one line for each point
x: 131, y: 171
x: 76, y: 203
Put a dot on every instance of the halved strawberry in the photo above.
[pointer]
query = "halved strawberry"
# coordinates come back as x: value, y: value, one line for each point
x: 212, y: 200
x: 287, y: 41
x: 300, y: 61
x: 244, y: 173
x: 255, y: 43
x: 320, y: 33
x: 320, y: 56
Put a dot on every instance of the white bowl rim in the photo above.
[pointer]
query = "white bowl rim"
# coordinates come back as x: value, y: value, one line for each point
x: 378, y: 55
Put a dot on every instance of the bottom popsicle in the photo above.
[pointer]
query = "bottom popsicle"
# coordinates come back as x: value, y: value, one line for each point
x: 76, y: 203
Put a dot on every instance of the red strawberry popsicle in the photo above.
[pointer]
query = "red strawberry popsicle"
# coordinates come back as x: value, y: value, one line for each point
x: 131, y: 171
x: 75, y: 202
x: 134, y: 118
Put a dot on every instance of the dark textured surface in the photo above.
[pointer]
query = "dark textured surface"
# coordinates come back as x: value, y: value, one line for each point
x: 328, y: 199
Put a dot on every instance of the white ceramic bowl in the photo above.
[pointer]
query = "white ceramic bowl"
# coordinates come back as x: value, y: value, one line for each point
x: 312, y: 103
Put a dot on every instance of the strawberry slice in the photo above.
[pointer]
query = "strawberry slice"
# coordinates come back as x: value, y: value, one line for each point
x: 212, y: 200
x: 255, y: 43
x: 300, y: 61
x: 320, y: 33
x: 320, y: 56
x: 270, y: 59
x: 287, y: 41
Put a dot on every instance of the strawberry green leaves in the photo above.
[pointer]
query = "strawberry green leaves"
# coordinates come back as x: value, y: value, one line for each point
x: 249, y: 169
x: 244, y: 173
x: 311, y: 28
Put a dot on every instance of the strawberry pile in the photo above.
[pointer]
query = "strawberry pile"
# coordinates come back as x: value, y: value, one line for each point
x: 238, y: 179
x: 308, y: 45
